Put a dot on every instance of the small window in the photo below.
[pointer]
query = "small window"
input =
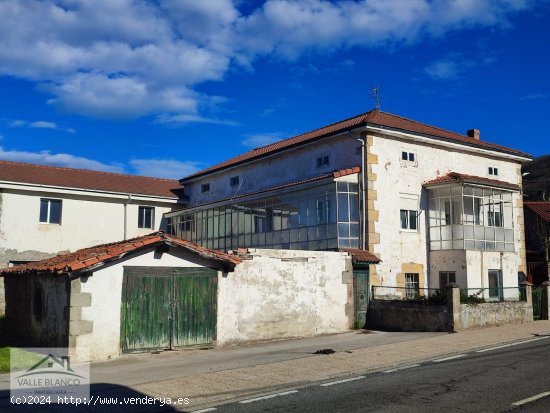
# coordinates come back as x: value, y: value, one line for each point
x: 493, y: 171
x: 145, y: 217
x: 408, y: 156
x: 412, y: 287
x: 50, y: 211
x: 322, y: 161
x: 233, y: 181
x: 446, y: 277
x: 205, y: 188
x: 409, y: 219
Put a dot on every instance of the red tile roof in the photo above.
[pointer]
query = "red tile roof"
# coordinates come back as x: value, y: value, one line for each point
x: 541, y: 208
x: 373, y: 118
x: 455, y: 177
x: 27, y: 173
x: 360, y: 256
x: 333, y: 174
x: 88, y: 258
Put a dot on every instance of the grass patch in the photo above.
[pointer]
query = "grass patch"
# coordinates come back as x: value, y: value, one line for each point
x: 24, y: 358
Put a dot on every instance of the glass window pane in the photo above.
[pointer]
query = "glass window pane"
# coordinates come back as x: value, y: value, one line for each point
x: 413, y: 220
x: 44, y: 210
x: 343, y: 208
x: 55, y: 211
x: 404, y: 217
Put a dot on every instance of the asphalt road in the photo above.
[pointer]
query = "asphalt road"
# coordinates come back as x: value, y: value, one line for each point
x: 492, y: 380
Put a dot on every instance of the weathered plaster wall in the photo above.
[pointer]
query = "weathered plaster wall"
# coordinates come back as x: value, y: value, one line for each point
x: 279, y: 169
x: 282, y: 294
x: 104, y: 288
x: 408, y: 316
x: 495, y: 314
x: 480, y: 262
x: 391, y: 180
x: 36, y: 321
x: 452, y: 260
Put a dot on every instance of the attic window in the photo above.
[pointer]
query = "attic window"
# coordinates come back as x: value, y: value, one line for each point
x: 145, y: 217
x: 493, y: 171
x: 50, y: 211
x: 234, y: 181
x: 205, y: 188
x: 322, y: 161
x: 408, y: 156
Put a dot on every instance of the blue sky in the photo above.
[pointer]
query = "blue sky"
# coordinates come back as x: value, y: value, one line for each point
x: 168, y: 87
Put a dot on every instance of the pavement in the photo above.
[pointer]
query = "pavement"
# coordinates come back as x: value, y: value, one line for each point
x: 210, y: 377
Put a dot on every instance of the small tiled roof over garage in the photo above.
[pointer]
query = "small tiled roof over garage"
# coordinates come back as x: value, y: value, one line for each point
x: 53, y: 176
x: 541, y: 208
x: 359, y: 256
x: 374, y: 118
x: 455, y: 177
x: 93, y: 257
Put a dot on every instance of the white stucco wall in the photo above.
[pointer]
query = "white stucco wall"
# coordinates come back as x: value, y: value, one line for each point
x: 396, y: 179
x: 105, y: 286
x: 283, y: 294
x: 85, y: 221
x: 274, y: 295
x: 278, y: 169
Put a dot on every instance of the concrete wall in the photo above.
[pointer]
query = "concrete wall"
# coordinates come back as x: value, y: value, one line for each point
x: 495, y: 314
x: 408, y: 316
x: 282, y: 294
x: 392, y: 180
x: 271, y: 295
x: 24, y: 326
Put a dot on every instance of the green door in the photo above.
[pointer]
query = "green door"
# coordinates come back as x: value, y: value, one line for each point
x: 537, y: 303
x: 165, y: 308
x: 361, y: 296
x: 195, y: 292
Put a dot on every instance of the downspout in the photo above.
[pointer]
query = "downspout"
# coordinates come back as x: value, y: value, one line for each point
x: 126, y: 215
x: 363, y: 194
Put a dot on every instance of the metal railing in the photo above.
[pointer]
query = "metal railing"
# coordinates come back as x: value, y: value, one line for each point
x: 492, y: 294
x: 387, y: 293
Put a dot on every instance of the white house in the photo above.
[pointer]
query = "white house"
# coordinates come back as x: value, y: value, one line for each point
x: 46, y: 210
x: 435, y: 206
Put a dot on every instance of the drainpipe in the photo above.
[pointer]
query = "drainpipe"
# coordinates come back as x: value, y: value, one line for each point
x: 126, y: 215
x: 363, y: 194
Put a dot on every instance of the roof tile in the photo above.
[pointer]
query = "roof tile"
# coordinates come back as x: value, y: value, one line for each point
x: 373, y: 118
x: 541, y: 208
x: 455, y: 177
x: 17, y: 172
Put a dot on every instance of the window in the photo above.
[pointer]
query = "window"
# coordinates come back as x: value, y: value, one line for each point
x: 495, y: 285
x: 50, y: 211
x: 411, y: 285
x: 407, y: 156
x: 205, y: 188
x: 145, y: 217
x: 322, y: 160
x: 493, y: 171
x: 409, y: 220
x: 234, y: 181
x: 446, y: 277
x: 323, y: 211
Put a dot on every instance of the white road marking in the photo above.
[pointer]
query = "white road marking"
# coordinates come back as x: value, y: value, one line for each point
x: 212, y: 409
x: 513, y: 344
x: 342, y: 381
x: 531, y: 399
x: 271, y: 396
x: 402, y: 368
x: 449, y: 358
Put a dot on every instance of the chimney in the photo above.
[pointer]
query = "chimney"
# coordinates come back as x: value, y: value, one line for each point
x: 474, y: 133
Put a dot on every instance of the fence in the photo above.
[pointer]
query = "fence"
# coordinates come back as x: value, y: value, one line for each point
x: 387, y: 293
x: 492, y: 294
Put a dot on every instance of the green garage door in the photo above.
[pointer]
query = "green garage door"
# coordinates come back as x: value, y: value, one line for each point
x: 167, y: 308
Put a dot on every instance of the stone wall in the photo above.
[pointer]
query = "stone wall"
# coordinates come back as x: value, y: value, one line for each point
x: 494, y: 314
x: 408, y: 316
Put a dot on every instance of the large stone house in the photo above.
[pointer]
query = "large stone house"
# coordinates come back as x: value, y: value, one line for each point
x: 435, y: 206
x: 45, y: 210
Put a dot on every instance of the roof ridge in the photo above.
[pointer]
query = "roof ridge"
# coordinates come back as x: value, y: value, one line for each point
x: 64, y: 168
x: 364, y: 114
x: 427, y: 124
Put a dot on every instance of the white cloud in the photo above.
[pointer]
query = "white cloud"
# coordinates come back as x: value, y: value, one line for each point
x: 165, y: 168
x: 443, y: 69
x: 537, y: 96
x: 130, y: 58
x: 39, y: 124
x: 59, y: 159
x: 261, y: 139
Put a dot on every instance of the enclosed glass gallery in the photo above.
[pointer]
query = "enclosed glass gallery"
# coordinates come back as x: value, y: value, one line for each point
x: 469, y: 217
x: 319, y: 217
